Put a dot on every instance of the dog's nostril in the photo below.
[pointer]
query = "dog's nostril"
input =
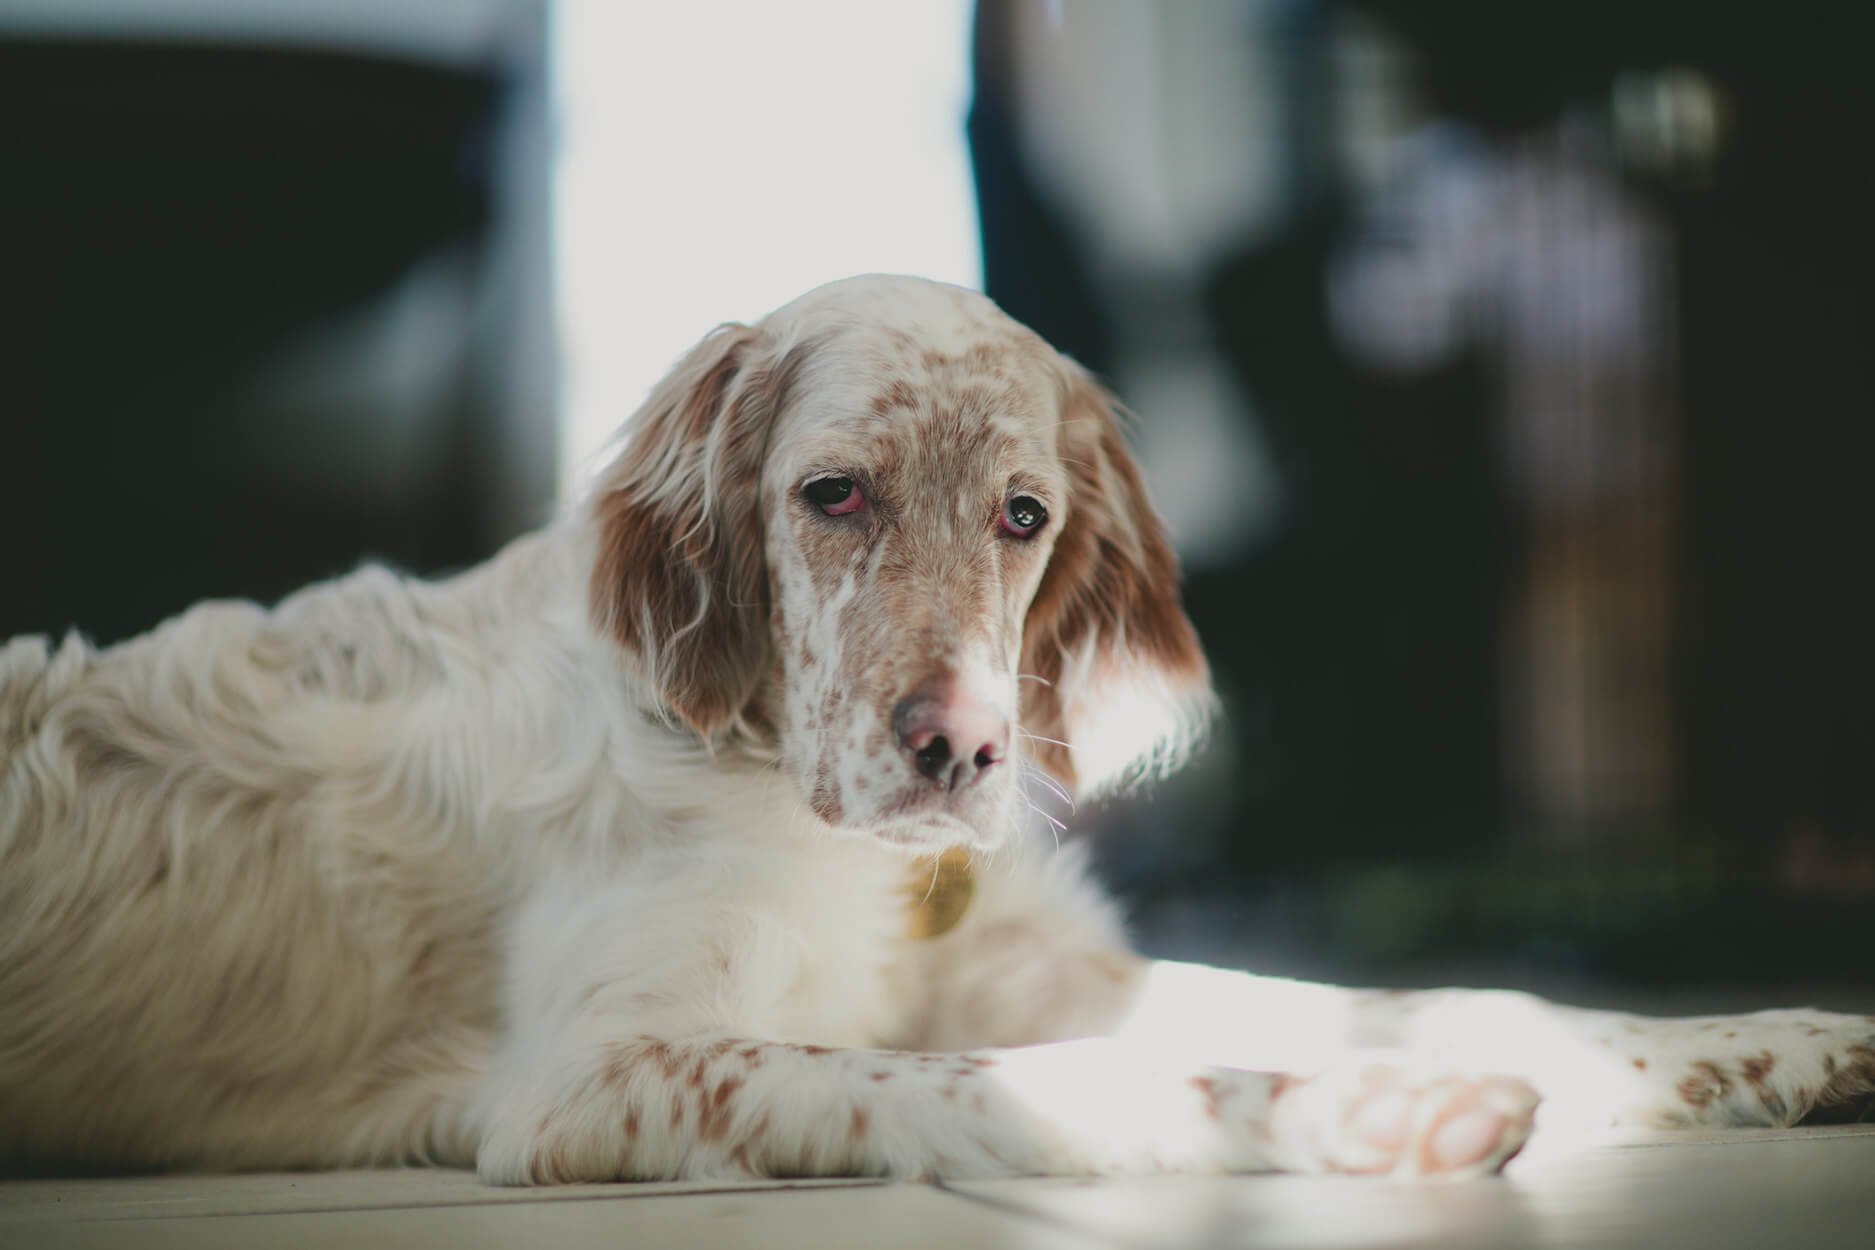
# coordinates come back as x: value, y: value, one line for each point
x: 950, y: 741
x: 933, y: 757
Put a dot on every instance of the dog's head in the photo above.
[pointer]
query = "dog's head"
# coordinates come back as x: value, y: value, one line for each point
x: 894, y: 534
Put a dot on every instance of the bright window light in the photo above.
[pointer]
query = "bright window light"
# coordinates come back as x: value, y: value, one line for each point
x: 717, y: 159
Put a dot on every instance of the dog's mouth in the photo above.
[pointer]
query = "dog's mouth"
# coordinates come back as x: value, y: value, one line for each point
x: 918, y: 816
x: 904, y: 804
x: 922, y: 796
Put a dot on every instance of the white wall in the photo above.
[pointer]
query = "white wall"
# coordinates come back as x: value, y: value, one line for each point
x: 717, y: 159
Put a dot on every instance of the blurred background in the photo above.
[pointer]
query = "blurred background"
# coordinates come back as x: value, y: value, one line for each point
x: 1503, y: 370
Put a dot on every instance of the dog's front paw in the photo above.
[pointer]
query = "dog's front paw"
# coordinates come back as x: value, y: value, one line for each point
x: 1767, y: 1069
x: 1379, y: 1119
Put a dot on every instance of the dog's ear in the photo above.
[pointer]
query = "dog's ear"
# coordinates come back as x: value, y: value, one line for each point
x: 1123, y: 684
x: 678, y: 574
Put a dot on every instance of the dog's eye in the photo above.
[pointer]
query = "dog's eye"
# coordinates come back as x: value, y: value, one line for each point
x: 835, y: 496
x: 1023, y: 515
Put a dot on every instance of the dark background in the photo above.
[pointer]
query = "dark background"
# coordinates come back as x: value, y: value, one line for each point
x: 1548, y: 664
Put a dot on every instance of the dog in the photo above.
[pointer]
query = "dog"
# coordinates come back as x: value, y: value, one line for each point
x: 700, y: 835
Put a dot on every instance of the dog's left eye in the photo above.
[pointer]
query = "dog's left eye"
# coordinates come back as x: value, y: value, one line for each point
x: 835, y: 496
x: 1023, y: 515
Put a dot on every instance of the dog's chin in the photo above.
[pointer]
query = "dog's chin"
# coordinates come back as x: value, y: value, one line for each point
x: 934, y: 835
x: 923, y: 822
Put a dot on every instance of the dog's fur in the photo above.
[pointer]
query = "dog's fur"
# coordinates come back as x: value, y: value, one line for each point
x: 594, y: 862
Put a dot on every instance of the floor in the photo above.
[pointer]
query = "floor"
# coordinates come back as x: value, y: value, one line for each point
x: 1805, y: 1189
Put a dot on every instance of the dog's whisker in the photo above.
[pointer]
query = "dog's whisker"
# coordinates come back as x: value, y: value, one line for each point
x: 1056, y: 789
x: 1034, y: 677
x: 1055, y: 826
x: 1030, y: 771
x: 1040, y: 738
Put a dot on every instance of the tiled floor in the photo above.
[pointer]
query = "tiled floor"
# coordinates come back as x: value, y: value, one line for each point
x: 1802, y: 1189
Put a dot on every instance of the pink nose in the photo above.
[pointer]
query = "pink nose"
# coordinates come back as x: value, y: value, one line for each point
x: 951, y: 739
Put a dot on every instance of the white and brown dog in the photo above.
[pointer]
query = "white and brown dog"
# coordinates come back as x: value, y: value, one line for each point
x: 601, y: 861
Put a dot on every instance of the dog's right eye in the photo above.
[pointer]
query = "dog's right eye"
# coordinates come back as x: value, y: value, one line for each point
x: 835, y: 496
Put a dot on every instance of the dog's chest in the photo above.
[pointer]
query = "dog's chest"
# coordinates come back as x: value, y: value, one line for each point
x: 784, y: 940
x: 843, y: 925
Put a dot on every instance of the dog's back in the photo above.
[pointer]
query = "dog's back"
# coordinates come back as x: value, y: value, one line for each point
x: 203, y: 958
x: 32, y: 677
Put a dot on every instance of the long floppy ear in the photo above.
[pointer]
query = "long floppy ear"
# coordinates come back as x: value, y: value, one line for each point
x: 1127, y: 689
x: 678, y: 575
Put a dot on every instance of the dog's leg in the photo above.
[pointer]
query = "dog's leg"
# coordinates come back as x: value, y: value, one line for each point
x: 1044, y: 959
x: 1594, y: 1068
x: 641, y: 1108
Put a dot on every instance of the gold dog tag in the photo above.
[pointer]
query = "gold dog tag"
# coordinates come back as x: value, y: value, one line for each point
x: 940, y: 894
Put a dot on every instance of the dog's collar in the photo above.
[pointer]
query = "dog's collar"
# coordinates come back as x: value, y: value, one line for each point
x: 940, y: 891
